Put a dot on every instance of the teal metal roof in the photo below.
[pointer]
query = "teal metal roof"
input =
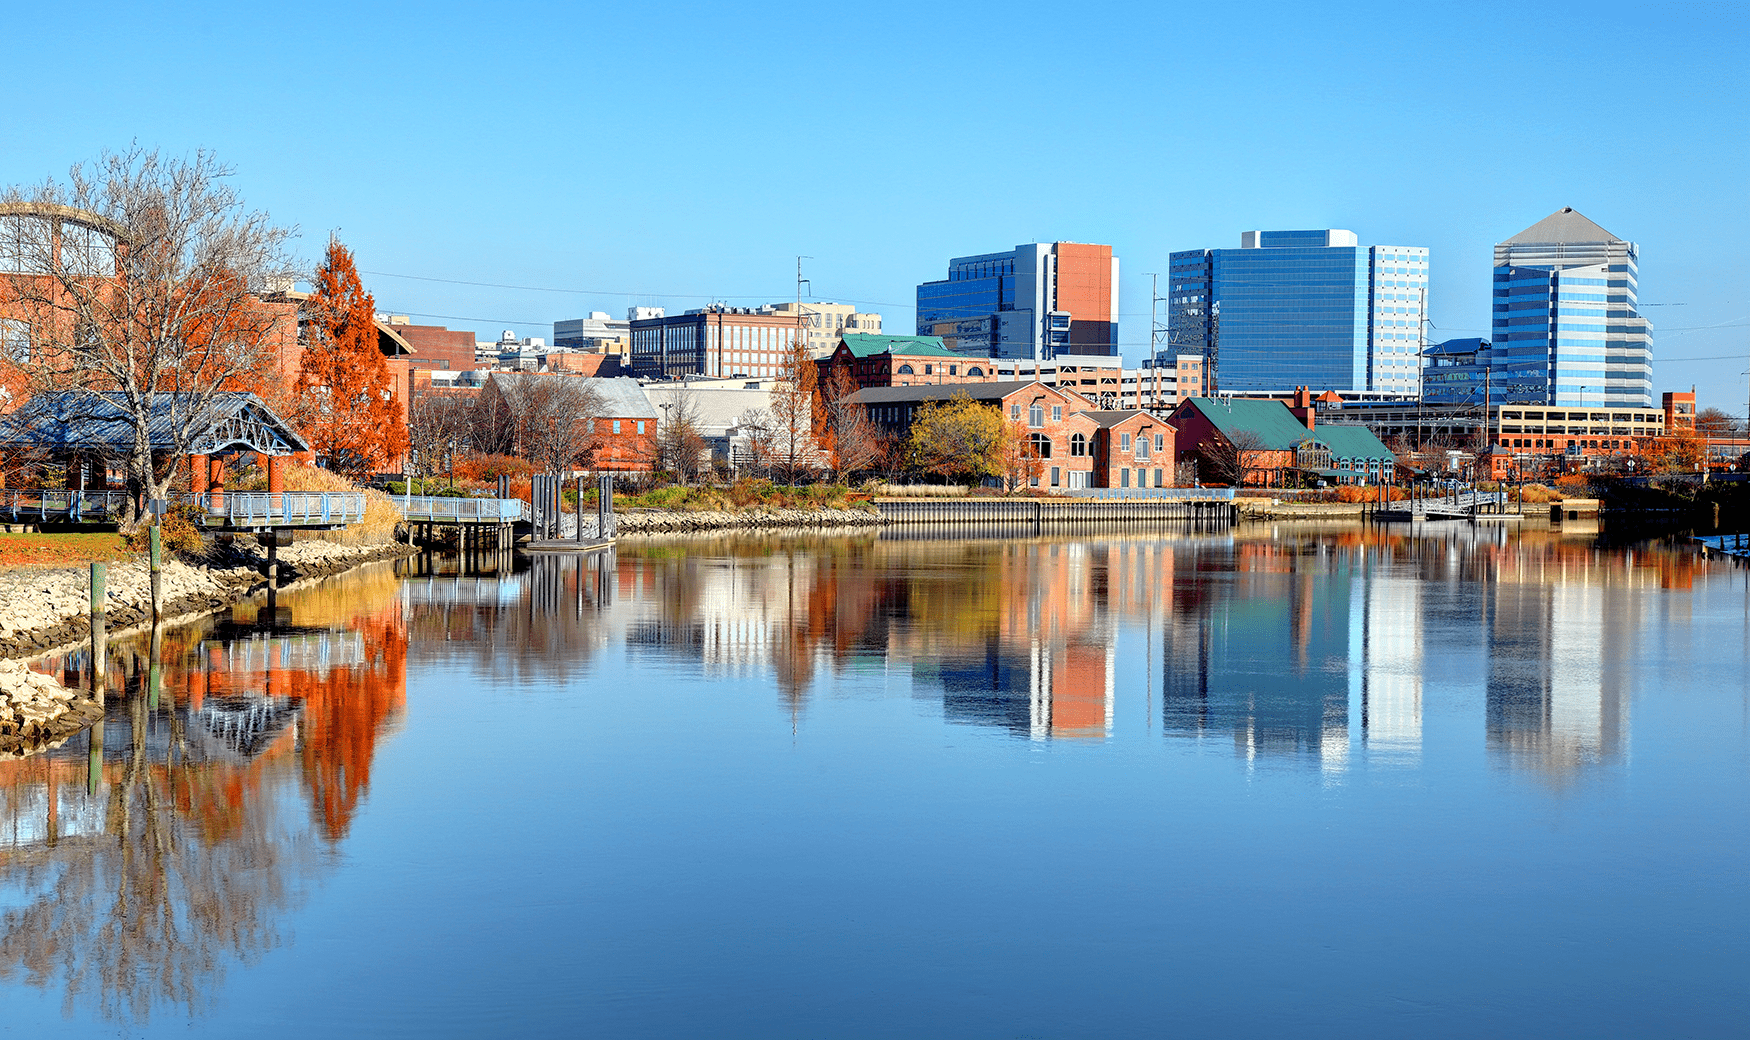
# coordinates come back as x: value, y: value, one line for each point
x: 863, y: 344
x: 1280, y: 430
x: 1271, y: 421
x: 1352, y: 442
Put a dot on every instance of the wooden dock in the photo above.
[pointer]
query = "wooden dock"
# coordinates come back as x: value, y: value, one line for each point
x: 567, y: 545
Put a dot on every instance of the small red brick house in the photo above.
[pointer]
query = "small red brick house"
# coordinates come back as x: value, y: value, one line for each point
x: 626, y: 433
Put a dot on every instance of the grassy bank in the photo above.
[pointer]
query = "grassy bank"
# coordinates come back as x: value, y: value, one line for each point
x: 60, y: 549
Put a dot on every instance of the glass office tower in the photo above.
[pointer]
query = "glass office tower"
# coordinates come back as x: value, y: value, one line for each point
x: 1301, y: 308
x: 1039, y: 300
x: 1565, y: 329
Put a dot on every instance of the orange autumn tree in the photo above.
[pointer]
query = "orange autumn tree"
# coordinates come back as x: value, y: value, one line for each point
x: 351, y: 416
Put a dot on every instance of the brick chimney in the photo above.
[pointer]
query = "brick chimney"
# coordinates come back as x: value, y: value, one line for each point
x: 1303, y: 406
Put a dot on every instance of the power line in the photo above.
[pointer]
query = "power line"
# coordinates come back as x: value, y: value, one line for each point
x: 612, y: 292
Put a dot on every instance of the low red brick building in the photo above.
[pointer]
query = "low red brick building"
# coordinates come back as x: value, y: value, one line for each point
x: 1272, y: 444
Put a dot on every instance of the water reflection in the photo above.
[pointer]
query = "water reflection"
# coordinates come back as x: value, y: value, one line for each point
x: 143, y: 859
x: 1288, y: 642
x: 145, y: 856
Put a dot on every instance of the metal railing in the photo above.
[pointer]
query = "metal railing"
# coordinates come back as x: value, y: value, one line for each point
x: 1467, y: 503
x: 440, y: 509
x: 42, y: 505
x: 281, y: 508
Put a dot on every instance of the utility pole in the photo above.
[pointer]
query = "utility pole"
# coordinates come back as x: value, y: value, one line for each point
x: 1488, y: 410
x: 801, y: 324
x: 1421, y: 360
x: 1156, y: 336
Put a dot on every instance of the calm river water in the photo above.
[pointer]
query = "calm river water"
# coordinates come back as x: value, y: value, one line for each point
x: 1275, y: 782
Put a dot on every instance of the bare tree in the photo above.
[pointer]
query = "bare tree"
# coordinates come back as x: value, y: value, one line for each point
x: 141, y: 279
x: 754, y: 427
x: 559, y: 422
x: 800, y: 442
x: 438, y: 423
x: 856, y: 440
x: 680, y: 446
x: 492, y: 427
x: 548, y: 419
x: 1714, y: 422
x: 792, y: 450
x: 1228, y: 460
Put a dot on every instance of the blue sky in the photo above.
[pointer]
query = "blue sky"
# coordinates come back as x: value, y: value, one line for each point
x: 666, y: 154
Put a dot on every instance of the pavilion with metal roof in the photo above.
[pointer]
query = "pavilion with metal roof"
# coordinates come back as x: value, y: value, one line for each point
x: 88, y: 431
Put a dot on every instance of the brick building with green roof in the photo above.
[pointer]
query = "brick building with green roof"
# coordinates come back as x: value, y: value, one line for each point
x: 874, y: 360
x: 1276, y: 444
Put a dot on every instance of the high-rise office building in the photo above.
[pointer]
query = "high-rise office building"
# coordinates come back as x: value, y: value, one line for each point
x: 1566, y: 330
x: 1036, y: 301
x: 1301, y: 308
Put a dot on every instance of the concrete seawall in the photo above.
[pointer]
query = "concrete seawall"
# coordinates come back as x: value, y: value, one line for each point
x: 1052, y: 510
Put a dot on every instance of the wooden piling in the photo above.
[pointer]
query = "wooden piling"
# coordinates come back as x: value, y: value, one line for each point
x: 155, y: 557
x: 99, y: 631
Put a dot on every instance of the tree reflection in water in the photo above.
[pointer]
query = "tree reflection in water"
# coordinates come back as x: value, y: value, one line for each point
x: 145, y: 878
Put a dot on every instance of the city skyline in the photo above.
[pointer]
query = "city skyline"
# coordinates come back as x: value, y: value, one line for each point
x: 551, y: 188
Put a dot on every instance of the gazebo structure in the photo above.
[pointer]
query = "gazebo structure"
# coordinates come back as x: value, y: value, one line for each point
x: 86, y: 432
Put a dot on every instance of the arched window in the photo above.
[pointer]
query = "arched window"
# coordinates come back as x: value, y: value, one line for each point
x: 905, y: 370
x: 975, y: 371
x: 1078, y: 446
x: 1036, y: 415
x: 1042, y: 445
x: 1142, y: 446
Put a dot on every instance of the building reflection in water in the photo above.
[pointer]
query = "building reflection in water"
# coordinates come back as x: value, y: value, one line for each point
x: 147, y: 854
x: 1562, y: 635
x: 1285, y: 641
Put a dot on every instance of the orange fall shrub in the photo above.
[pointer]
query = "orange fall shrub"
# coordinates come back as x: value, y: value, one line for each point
x: 488, y: 468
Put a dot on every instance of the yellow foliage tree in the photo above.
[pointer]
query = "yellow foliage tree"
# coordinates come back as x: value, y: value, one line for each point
x: 961, y: 440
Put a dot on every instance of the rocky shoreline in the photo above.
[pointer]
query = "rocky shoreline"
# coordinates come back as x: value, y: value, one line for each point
x: 643, y: 521
x: 37, y: 712
x: 42, y: 610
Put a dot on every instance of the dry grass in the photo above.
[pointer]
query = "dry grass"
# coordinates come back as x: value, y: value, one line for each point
x: 29, y: 551
x: 381, y: 516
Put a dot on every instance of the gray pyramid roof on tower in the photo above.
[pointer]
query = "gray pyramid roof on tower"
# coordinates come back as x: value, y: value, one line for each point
x: 1563, y: 226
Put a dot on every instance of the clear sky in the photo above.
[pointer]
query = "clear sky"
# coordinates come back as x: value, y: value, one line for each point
x: 667, y: 154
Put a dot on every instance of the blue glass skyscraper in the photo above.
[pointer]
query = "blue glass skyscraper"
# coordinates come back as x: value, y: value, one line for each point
x: 1566, y: 329
x: 1301, y: 308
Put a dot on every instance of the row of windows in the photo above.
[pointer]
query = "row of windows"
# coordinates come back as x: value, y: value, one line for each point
x: 27, y: 247
x: 1141, y: 444
x: 1550, y: 442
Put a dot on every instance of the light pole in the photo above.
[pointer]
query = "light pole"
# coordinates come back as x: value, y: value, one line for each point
x: 658, y: 438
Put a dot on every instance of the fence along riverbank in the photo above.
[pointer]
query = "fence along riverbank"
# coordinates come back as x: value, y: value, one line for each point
x: 1210, y: 507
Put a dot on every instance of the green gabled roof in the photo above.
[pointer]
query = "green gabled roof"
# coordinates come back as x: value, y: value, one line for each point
x: 1280, y: 430
x: 863, y: 344
x: 1274, y: 424
x: 1352, y: 442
